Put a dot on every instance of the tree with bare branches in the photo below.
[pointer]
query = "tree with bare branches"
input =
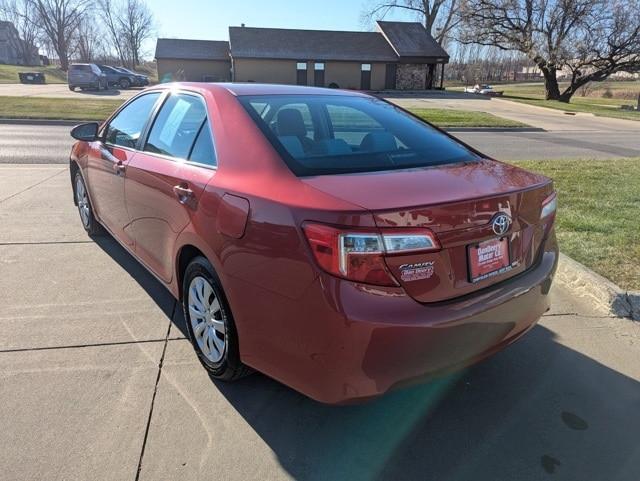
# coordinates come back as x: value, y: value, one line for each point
x: 588, y: 40
x: 439, y: 17
x: 136, y: 22
x: 129, y: 23
x: 88, y: 41
x: 59, y: 20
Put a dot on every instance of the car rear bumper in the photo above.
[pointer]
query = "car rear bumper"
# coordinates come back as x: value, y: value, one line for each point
x: 90, y: 84
x: 365, y: 341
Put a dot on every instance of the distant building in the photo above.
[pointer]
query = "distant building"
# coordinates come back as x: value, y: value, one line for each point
x: 193, y: 60
x: 400, y: 55
x: 11, y: 44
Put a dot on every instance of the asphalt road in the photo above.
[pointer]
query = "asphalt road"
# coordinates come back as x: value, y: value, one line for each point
x: 47, y: 144
x: 98, y: 382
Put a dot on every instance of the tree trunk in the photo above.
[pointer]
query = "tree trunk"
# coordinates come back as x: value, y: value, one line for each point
x: 64, y: 61
x: 566, y: 95
x: 551, y: 88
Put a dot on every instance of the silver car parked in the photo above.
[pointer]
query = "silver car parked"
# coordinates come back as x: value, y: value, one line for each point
x: 86, y: 76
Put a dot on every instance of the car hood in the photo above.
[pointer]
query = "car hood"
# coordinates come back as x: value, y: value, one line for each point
x: 427, y: 186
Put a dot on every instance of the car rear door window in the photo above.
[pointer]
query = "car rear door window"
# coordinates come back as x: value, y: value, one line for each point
x: 125, y: 128
x: 203, y: 151
x: 176, y: 126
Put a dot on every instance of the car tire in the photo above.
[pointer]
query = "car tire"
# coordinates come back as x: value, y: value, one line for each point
x: 125, y: 83
x: 72, y: 88
x: 85, y: 209
x: 210, y: 325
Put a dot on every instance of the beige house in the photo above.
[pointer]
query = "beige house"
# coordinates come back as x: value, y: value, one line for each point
x: 399, y: 55
x: 193, y: 60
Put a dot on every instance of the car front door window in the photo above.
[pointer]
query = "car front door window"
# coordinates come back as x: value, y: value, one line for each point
x: 125, y: 128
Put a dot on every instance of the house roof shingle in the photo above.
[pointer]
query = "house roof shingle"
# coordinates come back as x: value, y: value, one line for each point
x: 175, y: 48
x: 411, y: 39
x: 280, y: 43
x: 394, y: 41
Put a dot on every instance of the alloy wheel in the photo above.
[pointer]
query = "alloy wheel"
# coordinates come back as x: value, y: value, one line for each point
x: 206, y: 317
x: 83, y: 201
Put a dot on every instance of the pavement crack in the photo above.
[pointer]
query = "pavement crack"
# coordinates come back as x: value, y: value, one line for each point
x: 45, y: 243
x: 99, y: 344
x: 586, y: 316
x: 32, y: 186
x: 155, y: 391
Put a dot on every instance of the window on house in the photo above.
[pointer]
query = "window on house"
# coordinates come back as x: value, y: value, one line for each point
x: 301, y: 66
x: 318, y: 66
x: 365, y: 67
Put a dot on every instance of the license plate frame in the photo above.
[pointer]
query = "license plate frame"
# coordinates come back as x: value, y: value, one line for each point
x: 492, y: 266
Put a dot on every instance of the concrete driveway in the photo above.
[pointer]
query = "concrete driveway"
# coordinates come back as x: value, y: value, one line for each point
x: 62, y: 91
x: 539, y: 117
x: 97, y: 381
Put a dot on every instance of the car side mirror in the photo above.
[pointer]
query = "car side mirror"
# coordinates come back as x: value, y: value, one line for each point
x: 87, y: 132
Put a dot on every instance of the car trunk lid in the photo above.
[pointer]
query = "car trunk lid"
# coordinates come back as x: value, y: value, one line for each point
x: 458, y: 202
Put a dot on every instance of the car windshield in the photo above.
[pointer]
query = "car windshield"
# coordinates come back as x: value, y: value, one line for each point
x: 333, y: 134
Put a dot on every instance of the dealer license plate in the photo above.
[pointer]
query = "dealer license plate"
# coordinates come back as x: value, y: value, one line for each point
x: 489, y: 258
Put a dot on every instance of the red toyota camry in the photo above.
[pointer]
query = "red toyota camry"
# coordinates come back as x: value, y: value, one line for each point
x: 328, y: 239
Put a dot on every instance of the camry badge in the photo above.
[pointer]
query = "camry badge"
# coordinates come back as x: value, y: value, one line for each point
x: 416, y: 272
x: 501, y: 223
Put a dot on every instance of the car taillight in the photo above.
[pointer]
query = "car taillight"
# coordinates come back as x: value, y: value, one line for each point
x: 549, y: 206
x: 358, y: 255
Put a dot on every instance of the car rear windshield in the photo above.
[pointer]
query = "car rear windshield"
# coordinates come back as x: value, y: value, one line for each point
x: 333, y: 134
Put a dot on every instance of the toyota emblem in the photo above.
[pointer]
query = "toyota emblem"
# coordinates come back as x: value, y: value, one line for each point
x: 501, y: 224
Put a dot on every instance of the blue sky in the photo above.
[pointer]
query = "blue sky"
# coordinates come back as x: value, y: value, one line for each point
x: 209, y: 20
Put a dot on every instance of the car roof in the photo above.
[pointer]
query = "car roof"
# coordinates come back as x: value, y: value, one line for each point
x: 251, y: 88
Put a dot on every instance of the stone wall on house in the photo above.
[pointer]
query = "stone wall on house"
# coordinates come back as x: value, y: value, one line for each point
x: 411, y: 76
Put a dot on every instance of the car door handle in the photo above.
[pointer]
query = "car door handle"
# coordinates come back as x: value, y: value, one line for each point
x: 183, y: 193
x: 119, y: 167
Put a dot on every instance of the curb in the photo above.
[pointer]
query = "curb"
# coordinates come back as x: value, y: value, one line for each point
x: 42, y: 122
x: 493, y: 129
x: 602, y: 292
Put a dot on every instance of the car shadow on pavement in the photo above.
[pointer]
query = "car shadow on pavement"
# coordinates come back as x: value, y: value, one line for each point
x: 150, y: 284
x: 99, y: 93
x: 536, y: 410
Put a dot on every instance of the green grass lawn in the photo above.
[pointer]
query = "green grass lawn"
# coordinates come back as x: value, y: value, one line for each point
x: 598, y: 221
x: 463, y: 118
x: 99, y: 109
x: 9, y: 74
x: 66, y: 109
x: 622, y: 93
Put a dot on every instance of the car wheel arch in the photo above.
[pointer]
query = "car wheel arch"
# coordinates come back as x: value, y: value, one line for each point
x: 185, y: 255
x: 73, y: 169
x: 189, y: 249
